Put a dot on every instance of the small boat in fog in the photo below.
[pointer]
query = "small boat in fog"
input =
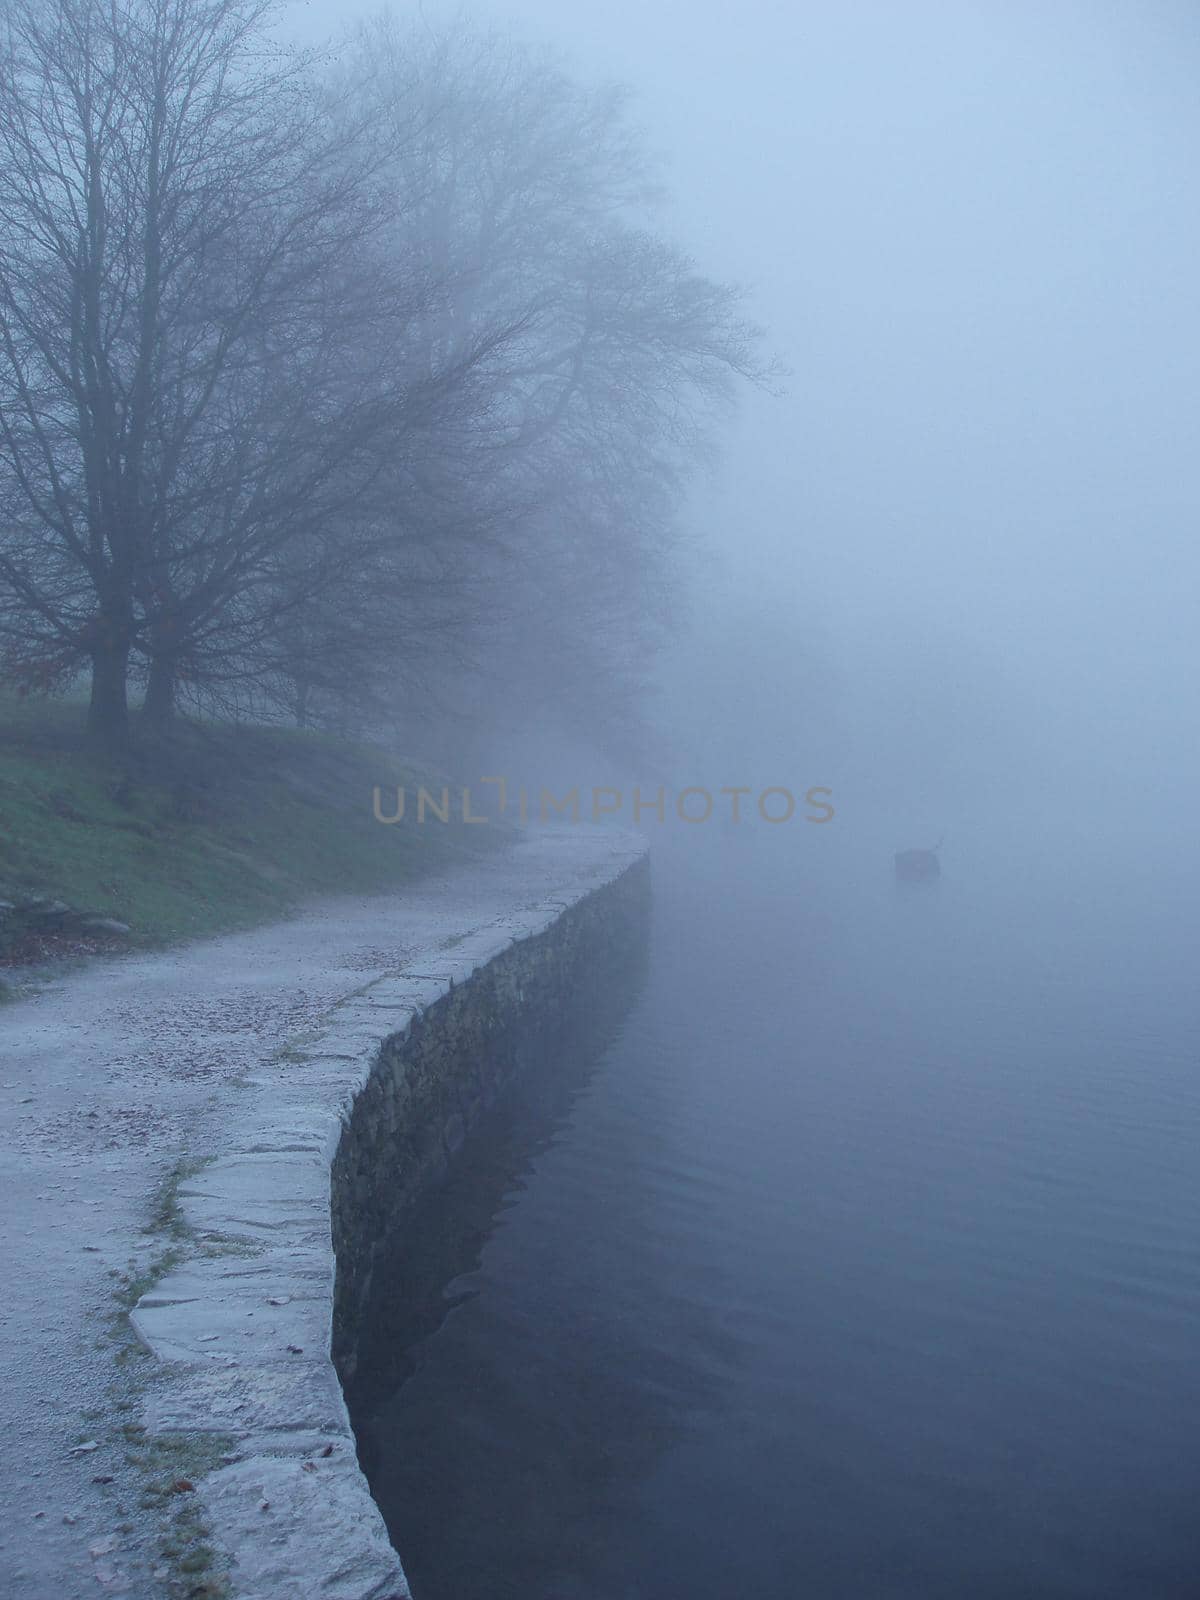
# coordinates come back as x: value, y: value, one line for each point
x: 918, y: 866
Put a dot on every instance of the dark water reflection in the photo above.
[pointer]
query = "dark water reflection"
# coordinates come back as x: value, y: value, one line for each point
x: 861, y: 1260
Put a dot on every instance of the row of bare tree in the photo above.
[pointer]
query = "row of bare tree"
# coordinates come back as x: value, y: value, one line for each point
x: 330, y: 382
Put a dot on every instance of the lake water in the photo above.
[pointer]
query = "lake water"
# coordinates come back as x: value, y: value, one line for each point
x: 861, y: 1258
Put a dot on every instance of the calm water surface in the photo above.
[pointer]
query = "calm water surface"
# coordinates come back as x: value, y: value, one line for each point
x: 861, y: 1261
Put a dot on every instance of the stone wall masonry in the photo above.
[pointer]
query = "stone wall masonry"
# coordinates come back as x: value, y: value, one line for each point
x: 342, y: 1130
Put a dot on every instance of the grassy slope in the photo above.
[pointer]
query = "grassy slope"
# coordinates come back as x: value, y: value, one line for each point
x: 224, y: 828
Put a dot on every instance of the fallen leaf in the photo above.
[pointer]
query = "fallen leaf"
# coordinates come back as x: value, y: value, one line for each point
x: 182, y: 1486
x: 103, y: 1477
x: 296, y: 1349
x: 86, y: 1449
x: 328, y: 1450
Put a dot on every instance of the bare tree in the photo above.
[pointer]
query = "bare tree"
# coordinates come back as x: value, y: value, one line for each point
x: 532, y: 202
x: 310, y: 389
x: 182, y: 227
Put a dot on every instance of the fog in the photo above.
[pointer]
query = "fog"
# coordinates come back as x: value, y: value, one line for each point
x: 589, y: 401
x: 973, y: 232
x: 903, y: 1169
x: 955, y: 561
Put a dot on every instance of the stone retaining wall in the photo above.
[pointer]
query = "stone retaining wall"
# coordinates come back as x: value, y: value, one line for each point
x: 342, y: 1131
x: 432, y: 1082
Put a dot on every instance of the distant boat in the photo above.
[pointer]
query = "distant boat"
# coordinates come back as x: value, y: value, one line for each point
x: 918, y: 866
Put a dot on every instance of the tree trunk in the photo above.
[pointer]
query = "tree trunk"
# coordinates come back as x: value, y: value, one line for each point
x: 158, y: 708
x: 108, y: 710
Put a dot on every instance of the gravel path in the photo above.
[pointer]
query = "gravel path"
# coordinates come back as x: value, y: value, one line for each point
x: 107, y: 1079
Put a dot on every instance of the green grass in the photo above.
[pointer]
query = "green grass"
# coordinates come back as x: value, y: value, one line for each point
x: 217, y: 828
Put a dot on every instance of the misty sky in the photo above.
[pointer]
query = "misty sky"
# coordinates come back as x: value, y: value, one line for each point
x: 973, y: 231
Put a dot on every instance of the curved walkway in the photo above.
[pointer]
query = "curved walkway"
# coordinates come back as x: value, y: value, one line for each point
x: 108, y: 1079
